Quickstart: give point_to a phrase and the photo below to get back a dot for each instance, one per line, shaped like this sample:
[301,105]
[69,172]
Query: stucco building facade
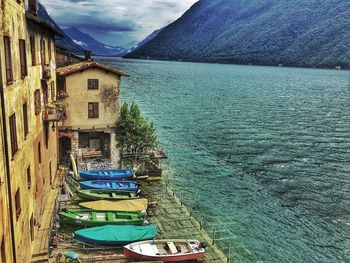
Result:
[28,152]
[90,91]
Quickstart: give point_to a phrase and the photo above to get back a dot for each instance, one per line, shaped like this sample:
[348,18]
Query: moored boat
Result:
[115,235]
[166,250]
[110,185]
[92,194]
[133,205]
[89,218]
[117,174]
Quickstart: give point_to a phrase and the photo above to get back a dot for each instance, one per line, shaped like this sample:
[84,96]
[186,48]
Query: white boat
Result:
[172,250]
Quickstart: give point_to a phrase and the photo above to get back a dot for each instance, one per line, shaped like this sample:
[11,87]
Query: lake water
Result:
[262,152]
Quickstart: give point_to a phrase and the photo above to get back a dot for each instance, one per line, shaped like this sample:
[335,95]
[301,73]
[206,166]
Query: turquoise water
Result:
[262,152]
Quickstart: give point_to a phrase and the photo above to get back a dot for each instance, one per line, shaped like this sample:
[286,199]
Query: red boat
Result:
[166,250]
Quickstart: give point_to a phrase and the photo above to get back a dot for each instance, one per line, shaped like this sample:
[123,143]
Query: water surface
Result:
[262,152]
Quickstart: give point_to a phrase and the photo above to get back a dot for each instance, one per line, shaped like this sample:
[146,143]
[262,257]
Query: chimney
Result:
[33,7]
[88,55]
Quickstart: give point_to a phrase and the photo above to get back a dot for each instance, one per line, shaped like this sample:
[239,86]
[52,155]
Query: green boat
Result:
[90,218]
[90,194]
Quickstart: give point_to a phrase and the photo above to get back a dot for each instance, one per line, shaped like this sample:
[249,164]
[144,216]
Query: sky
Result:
[116,22]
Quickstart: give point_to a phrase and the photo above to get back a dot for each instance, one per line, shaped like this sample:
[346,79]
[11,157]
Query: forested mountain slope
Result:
[312,33]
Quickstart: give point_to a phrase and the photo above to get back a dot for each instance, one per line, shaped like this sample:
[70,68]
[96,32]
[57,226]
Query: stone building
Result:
[90,92]
[65,57]
[28,152]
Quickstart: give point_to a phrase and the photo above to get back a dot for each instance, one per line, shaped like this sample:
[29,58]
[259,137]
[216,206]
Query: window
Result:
[53,93]
[93,109]
[45,92]
[47,134]
[23,57]
[32,50]
[43,52]
[29,178]
[49,49]
[13,134]
[92,83]
[18,203]
[37,102]
[25,119]
[31,225]
[39,152]
[8,60]
[2,250]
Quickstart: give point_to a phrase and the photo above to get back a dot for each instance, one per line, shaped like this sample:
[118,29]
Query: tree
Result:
[134,133]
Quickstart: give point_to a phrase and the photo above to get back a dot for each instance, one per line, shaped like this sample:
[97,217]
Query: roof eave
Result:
[42,23]
[72,71]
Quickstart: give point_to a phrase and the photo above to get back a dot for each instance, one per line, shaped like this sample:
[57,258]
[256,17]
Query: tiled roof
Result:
[70,69]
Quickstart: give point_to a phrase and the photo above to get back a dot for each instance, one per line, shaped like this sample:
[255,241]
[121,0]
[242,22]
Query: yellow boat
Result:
[134,205]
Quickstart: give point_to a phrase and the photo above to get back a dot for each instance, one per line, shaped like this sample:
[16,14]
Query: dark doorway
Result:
[65,148]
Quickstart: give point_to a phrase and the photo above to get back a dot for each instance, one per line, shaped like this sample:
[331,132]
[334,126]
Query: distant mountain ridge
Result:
[66,42]
[309,33]
[100,49]
[141,43]
[89,43]
[77,41]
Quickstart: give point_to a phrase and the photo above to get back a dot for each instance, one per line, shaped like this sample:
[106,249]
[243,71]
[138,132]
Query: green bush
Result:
[134,133]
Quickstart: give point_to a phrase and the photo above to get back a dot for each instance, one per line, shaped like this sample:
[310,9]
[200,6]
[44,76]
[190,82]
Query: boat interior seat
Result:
[172,247]
[101,216]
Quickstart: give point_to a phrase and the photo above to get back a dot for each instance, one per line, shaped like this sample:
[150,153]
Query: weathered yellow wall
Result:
[15,26]
[79,96]
[4,204]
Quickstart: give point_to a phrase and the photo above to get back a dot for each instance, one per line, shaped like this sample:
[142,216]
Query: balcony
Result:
[54,113]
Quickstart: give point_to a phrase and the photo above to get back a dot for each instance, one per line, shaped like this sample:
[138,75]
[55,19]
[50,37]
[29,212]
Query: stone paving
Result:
[42,235]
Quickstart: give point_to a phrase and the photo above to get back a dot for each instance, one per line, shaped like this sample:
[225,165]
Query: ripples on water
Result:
[262,152]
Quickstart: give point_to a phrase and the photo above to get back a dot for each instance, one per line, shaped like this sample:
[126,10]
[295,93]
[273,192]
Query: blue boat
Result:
[118,174]
[110,185]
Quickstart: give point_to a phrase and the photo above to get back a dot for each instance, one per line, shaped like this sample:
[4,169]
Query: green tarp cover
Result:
[118,233]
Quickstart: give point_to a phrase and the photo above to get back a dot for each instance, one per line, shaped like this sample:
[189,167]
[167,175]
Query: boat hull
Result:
[133,205]
[109,218]
[110,185]
[100,195]
[165,250]
[132,255]
[120,174]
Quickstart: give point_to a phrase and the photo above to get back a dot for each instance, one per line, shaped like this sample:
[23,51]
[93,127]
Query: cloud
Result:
[116,21]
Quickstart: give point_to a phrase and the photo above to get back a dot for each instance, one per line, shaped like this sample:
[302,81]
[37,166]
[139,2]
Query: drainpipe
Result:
[7,164]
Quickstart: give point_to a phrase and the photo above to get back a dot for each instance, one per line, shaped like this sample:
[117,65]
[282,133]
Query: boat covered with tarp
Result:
[110,235]
[117,174]
[133,205]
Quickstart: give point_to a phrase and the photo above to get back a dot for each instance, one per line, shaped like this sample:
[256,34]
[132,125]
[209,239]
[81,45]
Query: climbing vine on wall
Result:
[110,96]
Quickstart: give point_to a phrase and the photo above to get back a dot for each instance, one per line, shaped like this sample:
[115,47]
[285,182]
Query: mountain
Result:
[313,33]
[89,43]
[135,45]
[66,42]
